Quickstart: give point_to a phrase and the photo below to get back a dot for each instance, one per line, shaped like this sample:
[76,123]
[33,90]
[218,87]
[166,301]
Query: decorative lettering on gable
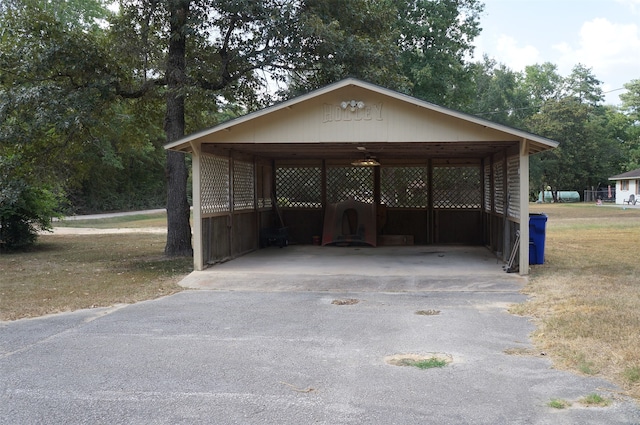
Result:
[351,111]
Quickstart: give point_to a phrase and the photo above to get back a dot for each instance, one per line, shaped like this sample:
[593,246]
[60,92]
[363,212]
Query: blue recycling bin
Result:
[537,234]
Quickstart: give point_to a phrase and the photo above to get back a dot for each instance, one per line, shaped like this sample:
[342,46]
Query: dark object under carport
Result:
[271,236]
[278,236]
[537,234]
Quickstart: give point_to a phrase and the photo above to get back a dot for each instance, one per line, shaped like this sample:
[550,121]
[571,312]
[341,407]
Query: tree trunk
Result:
[178,227]
[178,211]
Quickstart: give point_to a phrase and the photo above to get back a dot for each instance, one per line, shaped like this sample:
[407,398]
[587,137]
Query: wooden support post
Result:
[524,207]
[196,161]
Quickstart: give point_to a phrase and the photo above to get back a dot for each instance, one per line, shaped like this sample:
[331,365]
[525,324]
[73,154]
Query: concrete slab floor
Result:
[387,269]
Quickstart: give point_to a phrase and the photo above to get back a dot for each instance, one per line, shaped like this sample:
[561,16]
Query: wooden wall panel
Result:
[245,233]
[407,222]
[458,227]
[215,239]
[303,224]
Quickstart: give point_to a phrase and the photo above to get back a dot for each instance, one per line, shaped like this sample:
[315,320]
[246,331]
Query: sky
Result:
[603,35]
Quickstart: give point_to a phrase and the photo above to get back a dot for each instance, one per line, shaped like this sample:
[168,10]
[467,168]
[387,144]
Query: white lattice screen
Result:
[243,186]
[487,187]
[498,187]
[344,183]
[404,187]
[457,188]
[513,182]
[214,184]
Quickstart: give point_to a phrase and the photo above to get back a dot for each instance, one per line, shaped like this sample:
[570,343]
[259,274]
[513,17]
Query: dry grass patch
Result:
[586,297]
[70,272]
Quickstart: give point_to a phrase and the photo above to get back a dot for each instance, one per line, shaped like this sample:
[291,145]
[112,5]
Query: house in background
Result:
[627,184]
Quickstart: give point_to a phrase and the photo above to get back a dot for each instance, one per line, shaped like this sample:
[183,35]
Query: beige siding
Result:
[382,119]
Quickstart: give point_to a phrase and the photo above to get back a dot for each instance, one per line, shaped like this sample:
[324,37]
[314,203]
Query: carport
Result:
[357,163]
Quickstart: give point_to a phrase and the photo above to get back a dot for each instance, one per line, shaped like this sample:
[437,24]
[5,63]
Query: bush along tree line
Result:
[90,93]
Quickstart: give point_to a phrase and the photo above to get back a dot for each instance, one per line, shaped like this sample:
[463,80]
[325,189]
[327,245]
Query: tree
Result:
[179,230]
[542,82]
[435,38]
[230,41]
[583,85]
[631,100]
[67,109]
[500,94]
[414,46]
[52,106]
[218,47]
[70,108]
[73,14]
[631,137]
[339,39]
[589,152]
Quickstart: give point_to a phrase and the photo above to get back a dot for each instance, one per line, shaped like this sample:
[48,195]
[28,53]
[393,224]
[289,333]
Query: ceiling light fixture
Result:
[366,162]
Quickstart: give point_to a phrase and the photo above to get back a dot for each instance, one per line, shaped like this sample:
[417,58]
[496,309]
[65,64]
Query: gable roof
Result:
[633,174]
[295,122]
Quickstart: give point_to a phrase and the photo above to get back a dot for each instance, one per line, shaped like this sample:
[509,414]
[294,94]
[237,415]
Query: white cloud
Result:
[607,44]
[515,56]
[609,49]
[633,5]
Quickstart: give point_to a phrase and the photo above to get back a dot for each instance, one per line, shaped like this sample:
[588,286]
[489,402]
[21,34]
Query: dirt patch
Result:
[348,301]
[428,312]
[417,360]
[522,351]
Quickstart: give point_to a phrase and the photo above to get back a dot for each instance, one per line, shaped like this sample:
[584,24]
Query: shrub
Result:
[25,209]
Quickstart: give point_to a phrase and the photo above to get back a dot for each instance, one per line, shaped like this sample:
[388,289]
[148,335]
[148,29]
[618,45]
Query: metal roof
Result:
[633,174]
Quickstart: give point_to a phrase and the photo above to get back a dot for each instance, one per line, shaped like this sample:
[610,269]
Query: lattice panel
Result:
[404,187]
[344,183]
[457,188]
[498,187]
[214,184]
[487,187]
[243,187]
[513,181]
[299,187]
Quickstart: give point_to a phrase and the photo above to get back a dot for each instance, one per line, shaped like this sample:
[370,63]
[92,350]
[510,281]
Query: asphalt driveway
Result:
[302,352]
